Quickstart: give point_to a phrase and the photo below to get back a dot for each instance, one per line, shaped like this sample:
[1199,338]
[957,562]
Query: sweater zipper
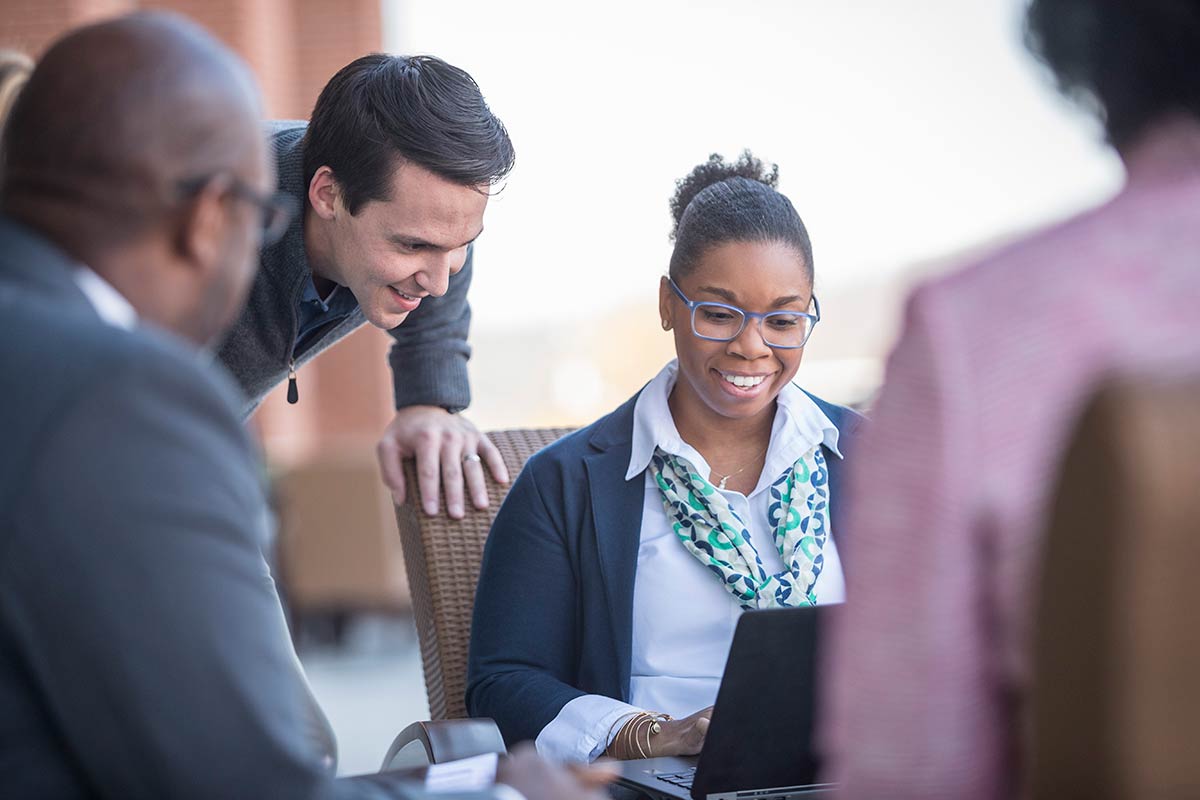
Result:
[293,394]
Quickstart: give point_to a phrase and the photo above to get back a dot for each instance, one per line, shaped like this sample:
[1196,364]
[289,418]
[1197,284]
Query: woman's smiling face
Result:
[740,378]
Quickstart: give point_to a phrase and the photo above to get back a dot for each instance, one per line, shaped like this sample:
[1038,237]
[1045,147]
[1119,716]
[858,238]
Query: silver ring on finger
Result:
[471,458]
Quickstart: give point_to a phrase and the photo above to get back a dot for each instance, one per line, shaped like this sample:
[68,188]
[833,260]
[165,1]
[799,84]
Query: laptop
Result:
[759,741]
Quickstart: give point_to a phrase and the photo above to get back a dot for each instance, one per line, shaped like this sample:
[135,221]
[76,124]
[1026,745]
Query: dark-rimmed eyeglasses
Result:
[277,208]
[721,322]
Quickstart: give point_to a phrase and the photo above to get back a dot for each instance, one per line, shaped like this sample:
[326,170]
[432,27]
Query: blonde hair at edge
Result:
[14,70]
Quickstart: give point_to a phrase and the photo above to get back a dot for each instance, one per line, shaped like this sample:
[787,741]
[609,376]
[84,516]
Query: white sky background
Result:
[903,131]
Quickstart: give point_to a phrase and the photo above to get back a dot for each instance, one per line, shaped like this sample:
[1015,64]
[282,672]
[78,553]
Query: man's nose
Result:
[434,276]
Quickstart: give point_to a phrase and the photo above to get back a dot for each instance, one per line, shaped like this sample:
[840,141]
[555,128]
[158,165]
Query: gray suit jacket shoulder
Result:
[429,353]
[143,649]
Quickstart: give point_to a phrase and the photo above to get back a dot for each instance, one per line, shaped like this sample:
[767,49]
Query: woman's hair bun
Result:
[717,169]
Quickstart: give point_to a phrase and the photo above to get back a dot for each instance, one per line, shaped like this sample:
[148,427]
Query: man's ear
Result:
[324,194]
[201,233]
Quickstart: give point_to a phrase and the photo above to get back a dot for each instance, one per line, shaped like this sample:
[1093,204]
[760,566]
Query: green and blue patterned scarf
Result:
[710,529]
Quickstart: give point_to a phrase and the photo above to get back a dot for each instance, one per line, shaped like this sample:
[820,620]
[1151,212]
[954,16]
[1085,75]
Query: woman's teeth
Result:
[744,381]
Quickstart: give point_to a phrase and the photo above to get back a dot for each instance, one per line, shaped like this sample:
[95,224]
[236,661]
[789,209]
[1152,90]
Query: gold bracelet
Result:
[653,727]
[610,740]
[647,725]
[628,739]
[620,748]
[614,747]
[637,742]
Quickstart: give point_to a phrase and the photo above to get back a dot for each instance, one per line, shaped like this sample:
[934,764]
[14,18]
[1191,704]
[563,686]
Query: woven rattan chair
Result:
[1115,710]
[442,557]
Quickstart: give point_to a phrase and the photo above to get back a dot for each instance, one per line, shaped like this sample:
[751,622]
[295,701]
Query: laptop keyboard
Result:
[681,779]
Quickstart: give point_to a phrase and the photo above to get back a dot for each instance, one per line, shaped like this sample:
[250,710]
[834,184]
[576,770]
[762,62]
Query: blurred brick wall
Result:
[29,25]
[294,47]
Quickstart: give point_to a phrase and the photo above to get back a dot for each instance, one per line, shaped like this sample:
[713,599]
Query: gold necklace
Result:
[726,478]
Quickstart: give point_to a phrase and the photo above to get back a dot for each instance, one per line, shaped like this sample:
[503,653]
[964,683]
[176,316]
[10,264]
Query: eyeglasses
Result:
[719,322]
[277,208]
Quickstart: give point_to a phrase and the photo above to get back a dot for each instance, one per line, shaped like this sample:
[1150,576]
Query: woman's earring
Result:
[666,325]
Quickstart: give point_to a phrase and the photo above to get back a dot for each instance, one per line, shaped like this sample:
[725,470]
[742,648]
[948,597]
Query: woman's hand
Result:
[676,737]
[681,737]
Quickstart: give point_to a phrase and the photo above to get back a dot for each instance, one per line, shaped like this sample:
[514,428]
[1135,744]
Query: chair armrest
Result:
[438,741]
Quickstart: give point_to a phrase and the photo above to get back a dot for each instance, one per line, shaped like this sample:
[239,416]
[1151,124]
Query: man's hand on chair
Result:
[448,448]
[539,779]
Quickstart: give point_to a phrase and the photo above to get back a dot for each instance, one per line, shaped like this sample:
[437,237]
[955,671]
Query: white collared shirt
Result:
[110,305]
[683,618]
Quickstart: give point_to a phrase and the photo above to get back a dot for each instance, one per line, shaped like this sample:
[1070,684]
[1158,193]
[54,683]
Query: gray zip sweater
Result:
[428,357]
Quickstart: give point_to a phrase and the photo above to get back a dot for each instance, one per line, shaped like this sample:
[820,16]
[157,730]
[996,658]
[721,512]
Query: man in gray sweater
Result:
[391,179]
[143,649]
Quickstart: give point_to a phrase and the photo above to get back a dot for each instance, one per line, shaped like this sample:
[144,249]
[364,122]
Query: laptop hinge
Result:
[782,793]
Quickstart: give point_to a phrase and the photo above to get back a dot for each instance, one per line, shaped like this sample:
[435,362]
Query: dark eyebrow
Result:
[792,298]
[724,294]
[731,298]
[417,241]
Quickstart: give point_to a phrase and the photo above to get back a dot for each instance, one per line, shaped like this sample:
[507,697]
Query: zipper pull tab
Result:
[293,395]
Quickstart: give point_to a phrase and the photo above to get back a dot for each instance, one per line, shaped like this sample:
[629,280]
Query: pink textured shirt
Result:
[926,669]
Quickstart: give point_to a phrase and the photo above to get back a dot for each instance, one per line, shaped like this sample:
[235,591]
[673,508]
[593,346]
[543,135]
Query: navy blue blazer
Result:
[554,607]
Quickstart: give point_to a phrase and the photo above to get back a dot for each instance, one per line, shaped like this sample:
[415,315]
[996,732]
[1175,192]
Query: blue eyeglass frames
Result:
[720,322]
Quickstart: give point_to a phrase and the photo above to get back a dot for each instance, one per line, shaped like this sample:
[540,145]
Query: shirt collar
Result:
[799,425]
[110,305]
[339,300]
[310,294]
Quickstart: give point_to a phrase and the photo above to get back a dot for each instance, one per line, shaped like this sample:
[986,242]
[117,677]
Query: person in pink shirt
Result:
[927,667]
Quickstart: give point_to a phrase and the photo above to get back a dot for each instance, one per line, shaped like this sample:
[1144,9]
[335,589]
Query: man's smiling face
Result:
[396,251]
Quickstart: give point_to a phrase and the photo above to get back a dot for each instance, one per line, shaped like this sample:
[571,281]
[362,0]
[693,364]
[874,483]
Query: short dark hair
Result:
[380,110]
[1130,61]
[722,202]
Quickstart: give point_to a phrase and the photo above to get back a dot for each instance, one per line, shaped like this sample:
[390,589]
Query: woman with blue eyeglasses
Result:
[619,564]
